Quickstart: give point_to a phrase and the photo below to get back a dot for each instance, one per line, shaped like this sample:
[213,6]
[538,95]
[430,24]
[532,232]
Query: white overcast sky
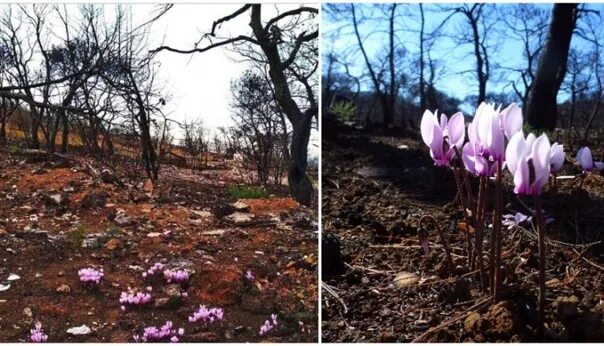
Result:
[200,83]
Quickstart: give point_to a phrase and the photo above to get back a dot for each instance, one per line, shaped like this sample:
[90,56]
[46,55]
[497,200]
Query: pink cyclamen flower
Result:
[249,275]
[207,315]
[91,275]
[529,162]
[442,137]
[586,161]
[268,325]
[486,133]
[513,221]
[37,334]
[556,157]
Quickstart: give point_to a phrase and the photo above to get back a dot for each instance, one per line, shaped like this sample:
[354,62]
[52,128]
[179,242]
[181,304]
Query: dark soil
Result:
[123,221]
[376,186]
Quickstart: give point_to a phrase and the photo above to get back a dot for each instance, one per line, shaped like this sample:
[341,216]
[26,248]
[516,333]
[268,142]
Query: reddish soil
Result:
[279,246]
[376,186]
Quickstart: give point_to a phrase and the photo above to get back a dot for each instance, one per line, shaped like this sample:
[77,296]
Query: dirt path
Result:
[56,219]
[376,186]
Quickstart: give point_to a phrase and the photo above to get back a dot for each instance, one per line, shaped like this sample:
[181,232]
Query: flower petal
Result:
[427,127]
[512,120]
[585,159]
[556,157]
[457,130]
[515,151]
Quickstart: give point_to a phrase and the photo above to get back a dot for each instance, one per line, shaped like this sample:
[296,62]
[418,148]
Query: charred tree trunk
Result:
[3,131]
[542,110]
[64,133]
[480,62]
[389,114]
[299,183]
[149,156]
[422,88]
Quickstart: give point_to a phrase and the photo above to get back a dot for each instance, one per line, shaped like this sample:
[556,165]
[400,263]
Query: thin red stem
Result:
[497,232]
[541,240]
[442,237]
[479,231]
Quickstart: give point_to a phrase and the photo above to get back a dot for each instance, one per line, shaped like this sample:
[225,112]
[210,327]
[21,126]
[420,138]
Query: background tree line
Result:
[395,60]
[90,74]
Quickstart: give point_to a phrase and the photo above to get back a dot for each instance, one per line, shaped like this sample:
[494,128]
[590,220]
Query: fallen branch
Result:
[450,321]
[330,290]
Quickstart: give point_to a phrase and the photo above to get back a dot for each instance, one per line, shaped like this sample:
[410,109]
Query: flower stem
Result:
[479,230]
[462,199]
[541,240]
[442,237]
[497,233]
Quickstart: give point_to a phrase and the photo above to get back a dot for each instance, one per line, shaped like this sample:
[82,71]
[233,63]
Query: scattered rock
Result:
[218,232]
[112,244]
[240,206]
[13,277]
[64,288]
[54,200]
[153,234]
[121,219]
[81,330]
[92,243]
[405,279]
[199,214]
[94,200]
[239,218]
[27,312]
[2,232]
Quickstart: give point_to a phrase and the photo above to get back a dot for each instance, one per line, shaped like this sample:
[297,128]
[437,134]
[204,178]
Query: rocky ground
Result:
[383,288]
[61,214]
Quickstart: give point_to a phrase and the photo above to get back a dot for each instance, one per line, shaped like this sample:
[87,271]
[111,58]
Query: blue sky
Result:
[452,57]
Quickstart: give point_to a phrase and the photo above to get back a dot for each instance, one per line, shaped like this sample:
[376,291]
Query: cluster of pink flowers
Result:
[37,334]
[495,135]
[178,276]
[162,333]
[207,315]
[89,275]
[268,325]
[156,268]
[139,298]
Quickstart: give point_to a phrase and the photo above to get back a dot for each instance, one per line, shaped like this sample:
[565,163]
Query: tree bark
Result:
[422,95]
[300,185]
[389,114]
[542,110]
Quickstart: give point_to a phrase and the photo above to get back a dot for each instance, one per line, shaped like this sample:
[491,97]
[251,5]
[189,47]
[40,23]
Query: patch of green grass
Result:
[79,234]
[242,191]
[114,231]
[16,150]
